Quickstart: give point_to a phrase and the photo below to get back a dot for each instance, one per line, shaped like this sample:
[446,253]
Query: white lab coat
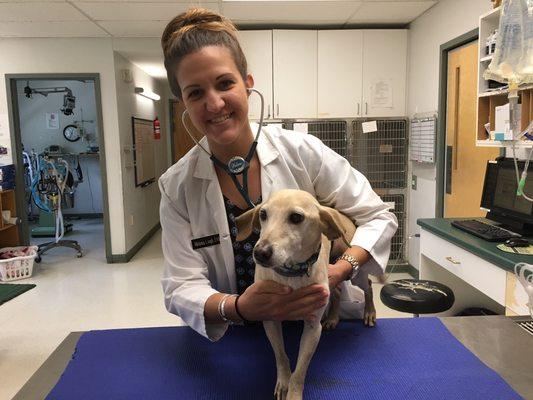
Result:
[192,207]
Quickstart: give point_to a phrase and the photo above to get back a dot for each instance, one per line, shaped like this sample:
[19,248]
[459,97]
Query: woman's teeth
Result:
[220,119]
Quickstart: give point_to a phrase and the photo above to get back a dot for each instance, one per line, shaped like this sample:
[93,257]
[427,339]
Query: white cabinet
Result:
[384,72]
[340,72]
[328,73]
[257,47]
[295,73]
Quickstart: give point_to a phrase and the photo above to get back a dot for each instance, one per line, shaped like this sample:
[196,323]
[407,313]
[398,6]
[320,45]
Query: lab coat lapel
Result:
[267,153]
[213,196]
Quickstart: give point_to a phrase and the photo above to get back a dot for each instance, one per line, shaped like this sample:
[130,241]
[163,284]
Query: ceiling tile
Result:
[401,1]
[134,28]
[390,12]
[290,11]
[26,12]
[121,11]
[51,29]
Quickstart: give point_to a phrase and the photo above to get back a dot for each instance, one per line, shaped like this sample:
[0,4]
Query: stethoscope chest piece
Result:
[237,165]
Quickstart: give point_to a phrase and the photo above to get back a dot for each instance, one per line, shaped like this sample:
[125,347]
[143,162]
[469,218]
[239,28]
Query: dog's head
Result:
[292,223]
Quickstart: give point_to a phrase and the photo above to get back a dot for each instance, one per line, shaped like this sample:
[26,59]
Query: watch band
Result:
[353,262]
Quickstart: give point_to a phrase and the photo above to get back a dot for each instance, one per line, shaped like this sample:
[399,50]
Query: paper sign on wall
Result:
[300,127]
[52,121]
[370,126]
[381,93]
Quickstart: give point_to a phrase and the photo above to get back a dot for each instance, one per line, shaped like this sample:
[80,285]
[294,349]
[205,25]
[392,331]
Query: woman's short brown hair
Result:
[192,30]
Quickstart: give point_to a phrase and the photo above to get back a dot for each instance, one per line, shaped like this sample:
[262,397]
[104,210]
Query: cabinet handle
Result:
[268,113]
[450,259]
[277,109]
[366,108]
[358,106]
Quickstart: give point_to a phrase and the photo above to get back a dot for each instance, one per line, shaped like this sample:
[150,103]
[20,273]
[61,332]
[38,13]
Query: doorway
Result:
[465,162]
[180,140]
[58,153]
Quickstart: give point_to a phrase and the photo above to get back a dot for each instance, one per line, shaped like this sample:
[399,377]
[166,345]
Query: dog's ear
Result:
[334,224]
[246,222]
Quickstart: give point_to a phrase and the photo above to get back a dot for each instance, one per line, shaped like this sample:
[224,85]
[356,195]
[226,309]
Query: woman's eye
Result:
[263,215]
[194,93]
[227,84]
[296,218]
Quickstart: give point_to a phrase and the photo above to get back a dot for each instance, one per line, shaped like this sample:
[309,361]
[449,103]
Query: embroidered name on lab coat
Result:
[205,241]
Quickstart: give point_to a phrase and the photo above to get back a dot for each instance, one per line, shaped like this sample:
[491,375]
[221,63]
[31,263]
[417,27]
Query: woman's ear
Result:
[249,83]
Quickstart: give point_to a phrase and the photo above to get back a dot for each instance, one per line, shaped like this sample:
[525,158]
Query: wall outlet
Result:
[131,220]
[413,182]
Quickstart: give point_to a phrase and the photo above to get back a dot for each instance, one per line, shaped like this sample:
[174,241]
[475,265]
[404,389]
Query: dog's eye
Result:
[296,218]
[262,215]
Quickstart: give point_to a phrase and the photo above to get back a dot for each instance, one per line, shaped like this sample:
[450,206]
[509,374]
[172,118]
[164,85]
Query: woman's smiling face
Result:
[215,94]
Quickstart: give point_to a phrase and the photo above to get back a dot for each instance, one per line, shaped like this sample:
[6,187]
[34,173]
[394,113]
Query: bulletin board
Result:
[143,151]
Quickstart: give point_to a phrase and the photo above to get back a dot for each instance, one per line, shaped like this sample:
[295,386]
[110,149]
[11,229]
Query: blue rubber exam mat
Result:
[411,358]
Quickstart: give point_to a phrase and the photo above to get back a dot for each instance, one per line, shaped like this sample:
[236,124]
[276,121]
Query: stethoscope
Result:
[236,165]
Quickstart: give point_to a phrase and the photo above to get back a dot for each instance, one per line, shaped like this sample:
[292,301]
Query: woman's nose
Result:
[214,102]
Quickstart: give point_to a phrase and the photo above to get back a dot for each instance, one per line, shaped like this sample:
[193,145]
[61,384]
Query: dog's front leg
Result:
[275,336]
[308,343]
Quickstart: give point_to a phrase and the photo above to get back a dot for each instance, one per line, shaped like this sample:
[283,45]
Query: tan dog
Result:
[294,249]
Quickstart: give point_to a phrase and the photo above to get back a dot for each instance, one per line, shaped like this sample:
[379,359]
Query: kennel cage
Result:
[382,155]
[334,134]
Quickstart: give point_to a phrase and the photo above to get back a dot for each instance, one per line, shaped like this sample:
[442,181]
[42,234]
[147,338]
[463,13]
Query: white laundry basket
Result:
[12,269]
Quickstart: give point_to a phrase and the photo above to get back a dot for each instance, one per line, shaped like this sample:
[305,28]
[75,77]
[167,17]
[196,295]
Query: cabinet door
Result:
[340,70]
[257,47]
[384,72]
[295,73]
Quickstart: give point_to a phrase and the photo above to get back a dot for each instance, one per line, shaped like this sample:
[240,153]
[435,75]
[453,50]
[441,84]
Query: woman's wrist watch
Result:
[353,262]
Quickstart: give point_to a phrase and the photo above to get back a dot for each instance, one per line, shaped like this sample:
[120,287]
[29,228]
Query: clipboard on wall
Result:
[143,151]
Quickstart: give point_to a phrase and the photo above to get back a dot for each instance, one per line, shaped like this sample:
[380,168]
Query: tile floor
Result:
[78,294]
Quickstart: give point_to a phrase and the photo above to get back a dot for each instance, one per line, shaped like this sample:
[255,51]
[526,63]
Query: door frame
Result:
[442,110]
[16,146]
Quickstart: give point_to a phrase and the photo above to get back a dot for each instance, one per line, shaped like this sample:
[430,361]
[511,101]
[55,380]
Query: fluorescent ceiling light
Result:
[147,93]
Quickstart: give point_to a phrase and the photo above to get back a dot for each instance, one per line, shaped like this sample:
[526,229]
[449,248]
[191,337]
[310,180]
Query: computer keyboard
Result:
[485,231]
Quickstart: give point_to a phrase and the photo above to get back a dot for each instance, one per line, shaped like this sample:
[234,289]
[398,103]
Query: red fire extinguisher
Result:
[157,129]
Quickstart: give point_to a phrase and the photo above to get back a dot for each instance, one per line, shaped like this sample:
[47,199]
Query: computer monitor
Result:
[499,196]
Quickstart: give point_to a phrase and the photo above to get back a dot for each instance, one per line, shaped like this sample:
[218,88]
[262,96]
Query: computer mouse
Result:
[517,242]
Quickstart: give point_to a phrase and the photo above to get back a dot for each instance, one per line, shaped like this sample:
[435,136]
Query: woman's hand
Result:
[272,301]
[338,272]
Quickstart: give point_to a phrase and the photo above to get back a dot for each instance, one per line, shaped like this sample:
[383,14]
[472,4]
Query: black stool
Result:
[417,296]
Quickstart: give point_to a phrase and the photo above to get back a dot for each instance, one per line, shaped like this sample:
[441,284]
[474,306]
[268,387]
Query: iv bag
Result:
[513,58]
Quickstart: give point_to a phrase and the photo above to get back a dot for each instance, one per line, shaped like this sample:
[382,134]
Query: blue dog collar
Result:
[298,269]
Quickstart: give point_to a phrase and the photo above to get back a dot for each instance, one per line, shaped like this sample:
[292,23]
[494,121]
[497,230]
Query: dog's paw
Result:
[295,391]
[280,393]
[369,318]
[330,323]
[282,386]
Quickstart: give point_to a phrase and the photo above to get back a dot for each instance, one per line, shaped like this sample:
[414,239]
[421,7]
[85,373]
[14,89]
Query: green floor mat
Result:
[9,291]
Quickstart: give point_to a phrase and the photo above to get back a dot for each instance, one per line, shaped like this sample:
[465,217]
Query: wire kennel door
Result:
[381,156]
[334,134]
[397,204]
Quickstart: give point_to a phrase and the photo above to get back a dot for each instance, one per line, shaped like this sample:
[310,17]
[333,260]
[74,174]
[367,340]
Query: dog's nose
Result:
[263,253]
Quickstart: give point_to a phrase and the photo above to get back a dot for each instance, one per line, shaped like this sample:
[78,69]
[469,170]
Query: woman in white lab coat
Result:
[199,200]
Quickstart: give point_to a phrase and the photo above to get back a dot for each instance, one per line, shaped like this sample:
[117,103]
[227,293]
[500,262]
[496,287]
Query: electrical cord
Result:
[521,178]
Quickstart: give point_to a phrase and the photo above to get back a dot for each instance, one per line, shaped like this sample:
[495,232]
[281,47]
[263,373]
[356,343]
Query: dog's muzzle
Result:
[263,254]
